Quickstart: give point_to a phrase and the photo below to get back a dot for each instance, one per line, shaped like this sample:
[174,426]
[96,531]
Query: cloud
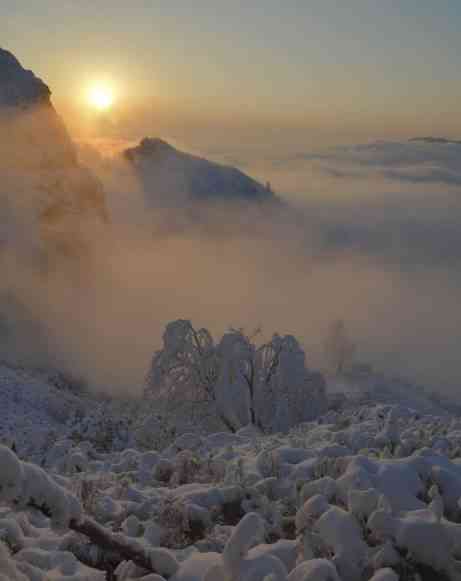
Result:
[419,160]
[398,203]
[425,175]
[388,262]
[439,140]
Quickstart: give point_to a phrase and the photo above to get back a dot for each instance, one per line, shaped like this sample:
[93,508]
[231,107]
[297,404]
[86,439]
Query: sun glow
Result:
[100,97]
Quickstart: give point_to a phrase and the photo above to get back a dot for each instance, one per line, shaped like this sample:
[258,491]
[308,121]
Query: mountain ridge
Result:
[20,86]
[174,173]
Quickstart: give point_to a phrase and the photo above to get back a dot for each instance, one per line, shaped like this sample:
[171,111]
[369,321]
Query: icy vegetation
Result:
[158,489]
[267,386]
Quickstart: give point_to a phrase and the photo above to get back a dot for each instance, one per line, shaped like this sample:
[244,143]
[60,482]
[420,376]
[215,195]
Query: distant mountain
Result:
[435,140]
[43,188]
[172,174]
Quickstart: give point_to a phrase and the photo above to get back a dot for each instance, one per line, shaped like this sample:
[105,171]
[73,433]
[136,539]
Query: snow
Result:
[385,575]
[341,533]
[57,565]
[163,561]
[197,567]
[27,483]
[362,493]
[314,570]
[30,404]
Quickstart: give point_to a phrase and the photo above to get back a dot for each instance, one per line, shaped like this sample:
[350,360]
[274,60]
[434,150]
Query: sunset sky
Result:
[369,65]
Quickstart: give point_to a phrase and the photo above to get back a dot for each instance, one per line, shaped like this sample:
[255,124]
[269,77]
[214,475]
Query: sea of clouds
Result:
[367,233]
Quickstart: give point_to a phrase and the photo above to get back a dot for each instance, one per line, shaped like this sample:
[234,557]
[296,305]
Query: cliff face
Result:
[47,194]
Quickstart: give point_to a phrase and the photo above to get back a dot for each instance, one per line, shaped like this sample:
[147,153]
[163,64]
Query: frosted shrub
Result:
[89,489]
[105,426]
[187,466]
[287,394]
[187,364]
[174,523]
[268,385]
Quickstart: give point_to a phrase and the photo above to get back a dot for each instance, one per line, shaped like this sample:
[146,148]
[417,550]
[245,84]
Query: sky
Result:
[361,67]
[319,97]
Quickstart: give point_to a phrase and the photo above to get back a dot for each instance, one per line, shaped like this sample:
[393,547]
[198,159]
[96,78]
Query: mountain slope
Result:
[175,175]
[45,193]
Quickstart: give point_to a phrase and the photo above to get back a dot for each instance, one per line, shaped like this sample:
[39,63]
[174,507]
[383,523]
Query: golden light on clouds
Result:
[100,96]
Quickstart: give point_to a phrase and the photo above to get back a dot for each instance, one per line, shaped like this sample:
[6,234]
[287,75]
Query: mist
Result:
[354,253]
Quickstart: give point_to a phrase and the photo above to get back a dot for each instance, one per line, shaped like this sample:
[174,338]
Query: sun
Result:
[100,97]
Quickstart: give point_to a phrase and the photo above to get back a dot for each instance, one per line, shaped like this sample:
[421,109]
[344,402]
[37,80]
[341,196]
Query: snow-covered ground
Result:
[369,490]
[33,411]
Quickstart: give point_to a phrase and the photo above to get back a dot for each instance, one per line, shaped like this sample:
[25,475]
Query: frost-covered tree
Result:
[234,388]
[267,385]
[339,348]
[186,366]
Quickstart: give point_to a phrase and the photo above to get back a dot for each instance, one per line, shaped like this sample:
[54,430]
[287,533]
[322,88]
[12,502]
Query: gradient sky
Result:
[398,59]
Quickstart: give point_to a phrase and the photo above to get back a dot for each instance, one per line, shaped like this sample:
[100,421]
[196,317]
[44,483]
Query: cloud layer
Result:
[380,252]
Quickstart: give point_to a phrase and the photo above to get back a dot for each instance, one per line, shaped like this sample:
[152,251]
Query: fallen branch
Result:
[156,560]
[26,485]
[106,540]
